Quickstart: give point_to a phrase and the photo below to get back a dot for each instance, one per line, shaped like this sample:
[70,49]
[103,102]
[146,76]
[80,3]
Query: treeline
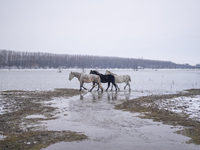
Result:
[36,60]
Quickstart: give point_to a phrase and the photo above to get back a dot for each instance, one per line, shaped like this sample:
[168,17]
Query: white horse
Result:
[86,78]
[120,79]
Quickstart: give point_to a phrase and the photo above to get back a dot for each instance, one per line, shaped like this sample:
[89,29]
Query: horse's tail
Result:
[129,78]
[99,80]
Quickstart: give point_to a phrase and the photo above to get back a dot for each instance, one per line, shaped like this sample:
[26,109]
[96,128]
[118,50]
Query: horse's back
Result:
[89,78]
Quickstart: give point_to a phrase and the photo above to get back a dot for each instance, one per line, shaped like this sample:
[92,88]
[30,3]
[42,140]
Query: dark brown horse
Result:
[105,78]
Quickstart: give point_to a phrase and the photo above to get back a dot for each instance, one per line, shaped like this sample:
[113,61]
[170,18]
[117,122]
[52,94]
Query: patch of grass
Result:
[193,133]
[26,133]
[38,139]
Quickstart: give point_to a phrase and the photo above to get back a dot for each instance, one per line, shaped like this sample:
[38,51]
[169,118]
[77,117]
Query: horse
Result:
[105,78]
[120,79]
[86,78]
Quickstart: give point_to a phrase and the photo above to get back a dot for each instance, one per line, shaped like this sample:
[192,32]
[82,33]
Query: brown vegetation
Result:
[27,133]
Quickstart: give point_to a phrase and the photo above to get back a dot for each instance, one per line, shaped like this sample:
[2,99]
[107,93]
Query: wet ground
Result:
[95,115]
[21,116]
[91,120]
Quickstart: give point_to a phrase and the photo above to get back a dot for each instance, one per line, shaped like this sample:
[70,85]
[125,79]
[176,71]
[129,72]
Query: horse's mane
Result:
[96,72]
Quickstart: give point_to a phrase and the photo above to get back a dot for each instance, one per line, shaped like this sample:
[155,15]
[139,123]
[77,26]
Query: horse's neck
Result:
[78,75]
[97,73]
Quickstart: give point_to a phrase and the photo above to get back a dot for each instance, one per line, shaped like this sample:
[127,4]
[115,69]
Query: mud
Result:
[21,132]
[149,108]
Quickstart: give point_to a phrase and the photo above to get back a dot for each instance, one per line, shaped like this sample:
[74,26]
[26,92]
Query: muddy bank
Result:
[21,132]
[150,108]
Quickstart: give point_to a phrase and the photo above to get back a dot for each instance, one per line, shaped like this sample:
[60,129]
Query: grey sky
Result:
[148,29]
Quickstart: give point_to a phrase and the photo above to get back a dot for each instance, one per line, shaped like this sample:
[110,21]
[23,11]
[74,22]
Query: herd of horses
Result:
[97,78]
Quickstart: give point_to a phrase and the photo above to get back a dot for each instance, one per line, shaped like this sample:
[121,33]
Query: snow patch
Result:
[188,105]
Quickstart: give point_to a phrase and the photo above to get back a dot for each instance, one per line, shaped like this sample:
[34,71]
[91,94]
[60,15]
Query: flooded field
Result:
[160,81]
[94,113]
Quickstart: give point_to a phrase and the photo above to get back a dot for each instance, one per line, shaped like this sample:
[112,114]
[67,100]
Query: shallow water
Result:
[142,80]
[93,113]
[111,129]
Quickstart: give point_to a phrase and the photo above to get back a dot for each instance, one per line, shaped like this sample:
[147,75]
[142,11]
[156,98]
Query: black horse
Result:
[105,78]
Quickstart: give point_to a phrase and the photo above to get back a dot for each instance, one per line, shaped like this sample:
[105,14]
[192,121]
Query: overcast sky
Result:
[149,29]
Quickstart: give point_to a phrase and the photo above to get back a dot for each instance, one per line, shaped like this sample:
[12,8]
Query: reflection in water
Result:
[112,95]
[82,94]
[127,94]
[97,95]
[109,95]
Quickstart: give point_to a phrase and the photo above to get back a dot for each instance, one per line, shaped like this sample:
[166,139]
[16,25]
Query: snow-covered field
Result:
[187,105]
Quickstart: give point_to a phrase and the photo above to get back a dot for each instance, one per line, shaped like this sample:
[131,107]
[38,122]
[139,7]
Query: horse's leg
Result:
[99,84]
[108,86]
[80,86]
[114,83]
[125,85]
[129,86]
[111,87]
[92,86]
[115,86]
[84,87]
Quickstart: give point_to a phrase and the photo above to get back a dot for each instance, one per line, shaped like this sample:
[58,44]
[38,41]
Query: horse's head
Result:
[94,72]
[107,72]
[71,76]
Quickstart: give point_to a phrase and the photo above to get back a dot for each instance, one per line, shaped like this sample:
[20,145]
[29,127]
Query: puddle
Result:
[93,114]
[2,137]
[34,116]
